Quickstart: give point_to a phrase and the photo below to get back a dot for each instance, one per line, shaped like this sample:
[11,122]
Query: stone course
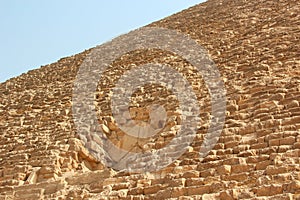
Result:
[255,45]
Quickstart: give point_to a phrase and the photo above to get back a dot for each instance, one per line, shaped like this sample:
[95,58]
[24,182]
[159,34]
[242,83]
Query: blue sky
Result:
[36,32]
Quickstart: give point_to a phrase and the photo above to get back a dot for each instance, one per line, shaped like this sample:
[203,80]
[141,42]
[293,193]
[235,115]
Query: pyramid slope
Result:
[255,45]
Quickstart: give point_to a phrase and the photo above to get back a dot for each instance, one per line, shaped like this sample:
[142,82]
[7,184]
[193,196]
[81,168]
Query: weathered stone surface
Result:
[255,45]
[90,177]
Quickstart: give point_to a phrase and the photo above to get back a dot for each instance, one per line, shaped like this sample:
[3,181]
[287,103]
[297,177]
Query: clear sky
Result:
[37,32]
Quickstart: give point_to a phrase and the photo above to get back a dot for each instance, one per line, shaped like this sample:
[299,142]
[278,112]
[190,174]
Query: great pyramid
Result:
[255,47]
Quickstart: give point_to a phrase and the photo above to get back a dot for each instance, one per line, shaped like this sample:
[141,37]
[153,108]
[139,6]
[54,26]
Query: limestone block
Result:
[152,189]
[88,178]
[223,170]
[269,190]
[241,168]
[198,190]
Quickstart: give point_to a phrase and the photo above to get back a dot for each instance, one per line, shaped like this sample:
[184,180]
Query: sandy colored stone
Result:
[255,46]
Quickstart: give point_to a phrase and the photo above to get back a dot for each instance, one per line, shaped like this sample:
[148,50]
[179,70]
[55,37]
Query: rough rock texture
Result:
[255,45]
